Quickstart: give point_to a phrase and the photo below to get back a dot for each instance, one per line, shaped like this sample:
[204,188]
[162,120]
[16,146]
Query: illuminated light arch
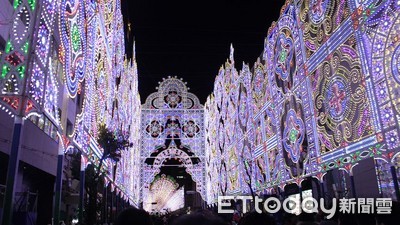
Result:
[172,124]
[173,153]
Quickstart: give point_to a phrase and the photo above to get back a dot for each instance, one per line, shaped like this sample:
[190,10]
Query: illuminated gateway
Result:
[172,143]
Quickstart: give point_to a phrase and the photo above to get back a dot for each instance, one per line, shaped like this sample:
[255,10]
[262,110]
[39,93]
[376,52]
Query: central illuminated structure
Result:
[172,129]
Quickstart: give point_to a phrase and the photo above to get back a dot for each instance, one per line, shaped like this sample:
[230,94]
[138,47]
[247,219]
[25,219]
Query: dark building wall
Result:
[6,129]
[37,166]
[365,179]
[3,167]
[338,183]
[42,183]
[37,148]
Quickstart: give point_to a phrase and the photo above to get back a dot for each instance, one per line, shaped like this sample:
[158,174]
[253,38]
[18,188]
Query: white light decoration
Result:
[11,85]
[72,24]
[36,84]
[51,95]
[164,195]
[21,25]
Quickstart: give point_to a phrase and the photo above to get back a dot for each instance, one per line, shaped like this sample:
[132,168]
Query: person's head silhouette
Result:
[133,216]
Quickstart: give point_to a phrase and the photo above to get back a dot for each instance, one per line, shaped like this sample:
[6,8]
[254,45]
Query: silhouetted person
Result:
[289,219]
[347,219]
[255,218]
[133,216]
[390,219]
[306,219]
[199,218]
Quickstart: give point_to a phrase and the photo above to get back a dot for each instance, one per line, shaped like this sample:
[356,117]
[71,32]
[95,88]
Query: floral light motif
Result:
[36,84]
[155,129]
[43,42]
[73,38]
[190,129]
[51,96]
[293,135]
[284,54]
[173,99]
[336,98]
[318,8]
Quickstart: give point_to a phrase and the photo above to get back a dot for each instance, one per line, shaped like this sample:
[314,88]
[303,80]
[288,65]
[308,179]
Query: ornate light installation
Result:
[324,96]
[172,126]
[109,87]
[92,53]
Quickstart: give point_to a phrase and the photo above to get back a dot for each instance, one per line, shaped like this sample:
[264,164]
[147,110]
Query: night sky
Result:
[191,39]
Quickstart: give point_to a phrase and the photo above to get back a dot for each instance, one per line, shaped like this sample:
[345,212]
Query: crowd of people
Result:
[133,216]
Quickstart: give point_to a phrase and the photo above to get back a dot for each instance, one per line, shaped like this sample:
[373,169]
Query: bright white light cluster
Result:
[164,195]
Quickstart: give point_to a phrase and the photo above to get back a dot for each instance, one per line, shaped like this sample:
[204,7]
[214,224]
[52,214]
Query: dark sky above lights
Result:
[190,39]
